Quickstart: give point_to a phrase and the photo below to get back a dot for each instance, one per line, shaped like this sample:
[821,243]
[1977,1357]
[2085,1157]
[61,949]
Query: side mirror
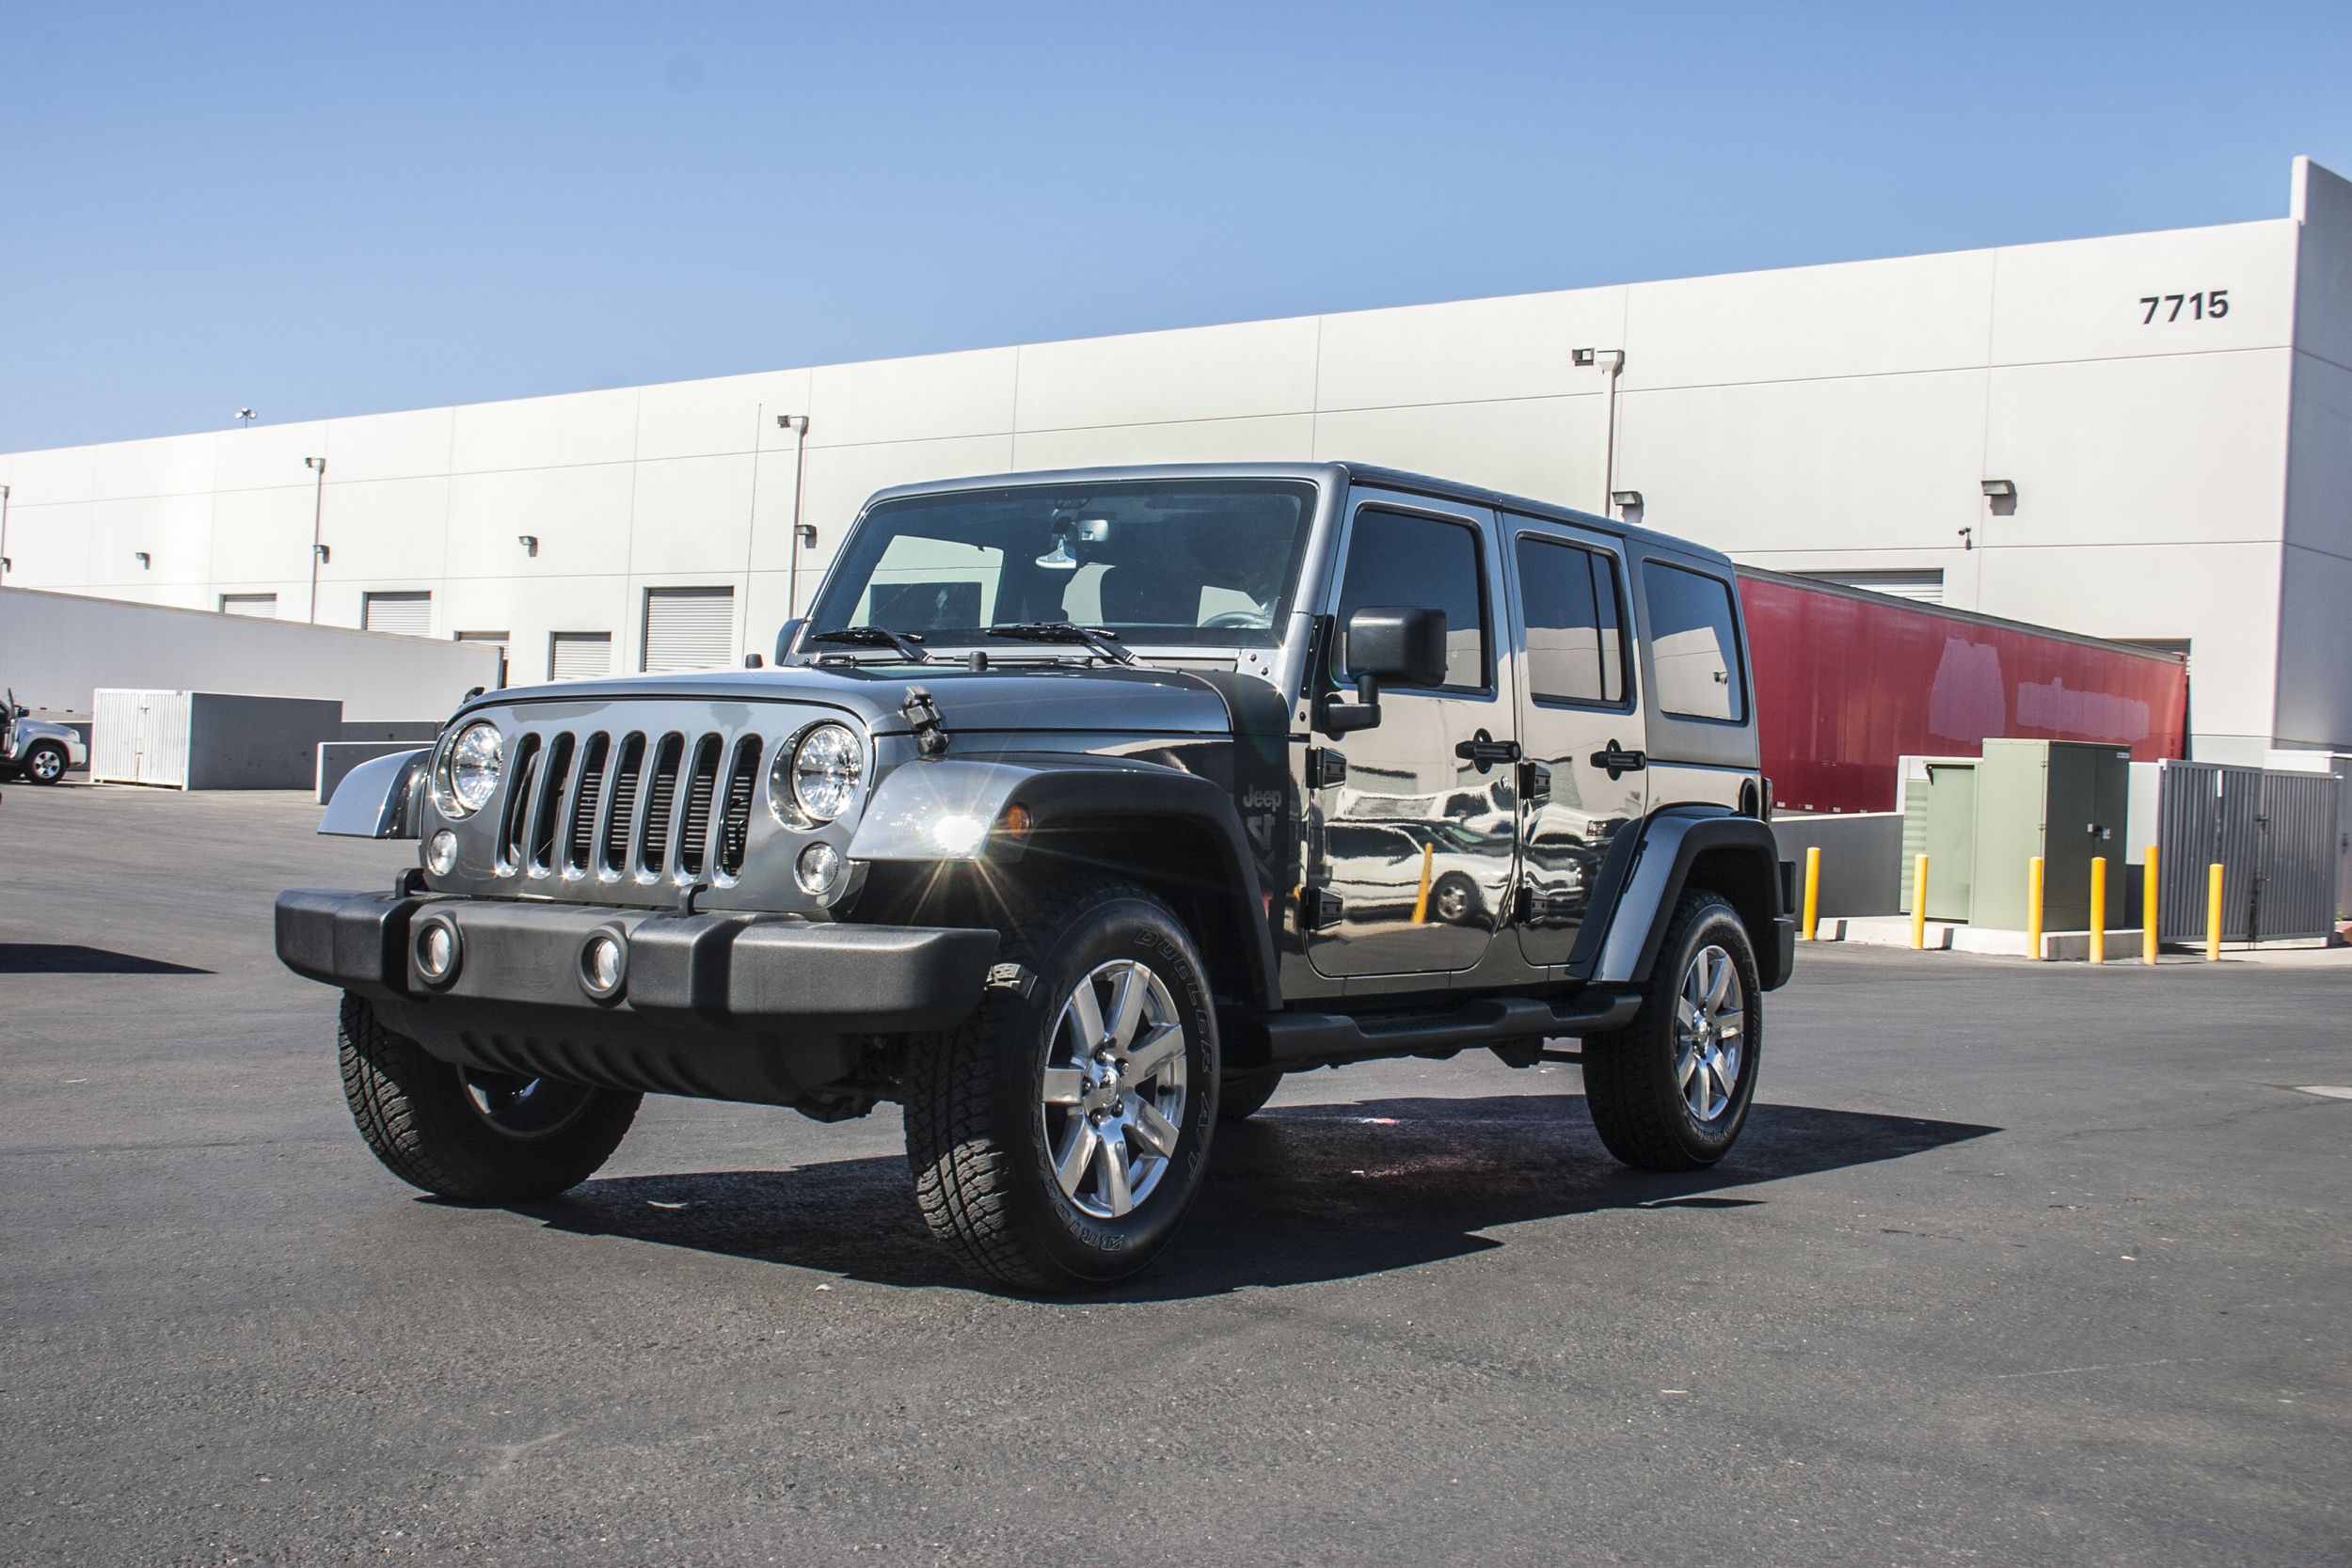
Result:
[787,634]
[1386,642]
[22,712]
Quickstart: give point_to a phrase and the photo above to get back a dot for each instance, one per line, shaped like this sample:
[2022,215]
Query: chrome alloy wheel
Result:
[1113,1088]
[1710,1032]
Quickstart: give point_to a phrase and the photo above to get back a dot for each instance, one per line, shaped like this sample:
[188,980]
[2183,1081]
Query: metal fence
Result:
[2273,835]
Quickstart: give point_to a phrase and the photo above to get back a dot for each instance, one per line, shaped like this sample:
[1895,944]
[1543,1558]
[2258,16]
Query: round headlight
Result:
[473,769]
[825,770]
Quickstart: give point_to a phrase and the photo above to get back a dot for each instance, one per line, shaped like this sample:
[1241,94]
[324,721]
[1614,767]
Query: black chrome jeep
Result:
[1082,808]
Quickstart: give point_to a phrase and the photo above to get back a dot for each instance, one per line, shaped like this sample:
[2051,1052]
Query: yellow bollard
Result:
[1811,892]
[1421,904]
[2098,908]
[2213,913]
[2148,908]
[1919,902]
[2033,908]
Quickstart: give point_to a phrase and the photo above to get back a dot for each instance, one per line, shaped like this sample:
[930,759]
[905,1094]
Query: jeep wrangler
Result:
[1080,809]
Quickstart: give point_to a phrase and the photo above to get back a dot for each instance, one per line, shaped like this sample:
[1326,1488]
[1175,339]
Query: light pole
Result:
[5,563]
[318,551]
[802,537]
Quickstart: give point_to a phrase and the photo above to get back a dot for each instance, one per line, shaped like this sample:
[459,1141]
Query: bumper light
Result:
[437,948]
[603,965]
[440,853]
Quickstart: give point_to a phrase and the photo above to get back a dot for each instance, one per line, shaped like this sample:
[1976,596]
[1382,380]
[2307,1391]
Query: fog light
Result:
[436,950]
[819,868]
[603,965]
[440,855]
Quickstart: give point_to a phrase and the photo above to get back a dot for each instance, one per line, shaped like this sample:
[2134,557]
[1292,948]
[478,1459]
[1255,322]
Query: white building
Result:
[2173,411]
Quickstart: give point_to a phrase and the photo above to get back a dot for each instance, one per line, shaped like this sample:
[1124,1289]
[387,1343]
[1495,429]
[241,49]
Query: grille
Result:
[654,838]
[624,803]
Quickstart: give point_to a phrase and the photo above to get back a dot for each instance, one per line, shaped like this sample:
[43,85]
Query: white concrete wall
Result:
[55,649]
[1815,418]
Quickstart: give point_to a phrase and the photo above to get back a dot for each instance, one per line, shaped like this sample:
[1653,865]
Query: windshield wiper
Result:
[876,637]
[1062,631]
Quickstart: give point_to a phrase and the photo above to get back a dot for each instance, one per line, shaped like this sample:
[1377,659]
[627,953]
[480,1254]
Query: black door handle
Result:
[1615,761]
[1486,751]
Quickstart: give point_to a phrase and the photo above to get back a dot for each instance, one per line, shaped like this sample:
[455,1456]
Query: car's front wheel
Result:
[44,761]
[480,1138]
[1059,1135]
[1670,1091]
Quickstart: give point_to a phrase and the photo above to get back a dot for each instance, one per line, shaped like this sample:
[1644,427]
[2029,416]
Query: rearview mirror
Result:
[1392,642]
[1386,642]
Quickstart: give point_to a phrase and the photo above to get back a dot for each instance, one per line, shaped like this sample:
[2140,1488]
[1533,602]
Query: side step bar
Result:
[1321,1040]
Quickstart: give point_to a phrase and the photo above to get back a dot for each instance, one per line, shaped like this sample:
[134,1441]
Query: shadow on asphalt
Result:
[66,958]
[1295,1196]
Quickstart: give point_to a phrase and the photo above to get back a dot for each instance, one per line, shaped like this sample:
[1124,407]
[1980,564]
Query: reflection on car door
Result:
[1576,705]
[1418,840]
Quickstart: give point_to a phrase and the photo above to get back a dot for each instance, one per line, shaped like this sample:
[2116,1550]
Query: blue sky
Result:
[341,210]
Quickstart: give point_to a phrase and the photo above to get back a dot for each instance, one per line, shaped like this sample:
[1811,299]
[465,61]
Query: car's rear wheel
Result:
[461,1132]
[1059,1135]
[1671,1090]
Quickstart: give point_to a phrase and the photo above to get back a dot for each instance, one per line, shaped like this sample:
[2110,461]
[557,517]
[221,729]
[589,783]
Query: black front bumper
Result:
[762,1007]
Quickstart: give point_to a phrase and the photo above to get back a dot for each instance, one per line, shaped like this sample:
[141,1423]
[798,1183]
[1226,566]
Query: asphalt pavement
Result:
[2015,1264]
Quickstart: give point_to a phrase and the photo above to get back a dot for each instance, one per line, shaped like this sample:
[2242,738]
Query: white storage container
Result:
[209,739]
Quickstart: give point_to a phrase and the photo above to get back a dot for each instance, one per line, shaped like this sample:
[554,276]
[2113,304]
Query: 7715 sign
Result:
[2212,305]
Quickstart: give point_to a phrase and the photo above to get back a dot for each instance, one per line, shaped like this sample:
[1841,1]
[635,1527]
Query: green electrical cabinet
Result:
[1940,821]
[2063,801]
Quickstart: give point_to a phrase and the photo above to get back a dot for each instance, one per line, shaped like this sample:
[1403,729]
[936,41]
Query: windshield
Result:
[1209,563]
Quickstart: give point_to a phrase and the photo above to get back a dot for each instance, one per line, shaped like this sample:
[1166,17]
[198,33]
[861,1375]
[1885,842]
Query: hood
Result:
[1144,701]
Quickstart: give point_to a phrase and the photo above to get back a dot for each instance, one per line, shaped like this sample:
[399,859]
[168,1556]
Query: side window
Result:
[1424,562]
[1574,653]
[1692,644]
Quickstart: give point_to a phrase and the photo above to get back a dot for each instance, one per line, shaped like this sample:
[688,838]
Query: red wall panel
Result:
[1845,685]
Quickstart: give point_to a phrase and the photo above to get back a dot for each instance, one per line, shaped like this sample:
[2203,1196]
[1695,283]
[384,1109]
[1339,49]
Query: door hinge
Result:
[1534,781]
[1327,766]
[1319,907]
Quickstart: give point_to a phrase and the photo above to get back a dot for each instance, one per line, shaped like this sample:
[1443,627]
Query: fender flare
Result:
[1671,840]
[902,823]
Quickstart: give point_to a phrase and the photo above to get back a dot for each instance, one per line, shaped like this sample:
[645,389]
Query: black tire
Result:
[1239,1098]
[474,1137]
[981,1138]
[44,761]
[1640,1100]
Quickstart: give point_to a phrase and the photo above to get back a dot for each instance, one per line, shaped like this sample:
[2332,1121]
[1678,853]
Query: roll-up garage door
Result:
[580,656]
[262,604]
[403,614]
[689,629]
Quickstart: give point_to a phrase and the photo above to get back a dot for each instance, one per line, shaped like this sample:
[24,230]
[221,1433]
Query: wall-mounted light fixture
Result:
[1968,539]
[2002,492]
[327,553]
[806,534]
[144,558]
[529,542]
[1625,499]
[796,423]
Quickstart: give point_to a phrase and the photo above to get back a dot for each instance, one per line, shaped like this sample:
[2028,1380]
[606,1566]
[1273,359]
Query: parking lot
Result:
[2016,1263]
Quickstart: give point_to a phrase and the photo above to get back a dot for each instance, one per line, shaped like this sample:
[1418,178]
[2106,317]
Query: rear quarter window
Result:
[1694,644]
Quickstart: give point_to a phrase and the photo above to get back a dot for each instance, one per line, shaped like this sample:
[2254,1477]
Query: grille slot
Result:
[552,778]
[734,815]
[581,838]
[694,833]
[653,851]
[517,819]
[627,774]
